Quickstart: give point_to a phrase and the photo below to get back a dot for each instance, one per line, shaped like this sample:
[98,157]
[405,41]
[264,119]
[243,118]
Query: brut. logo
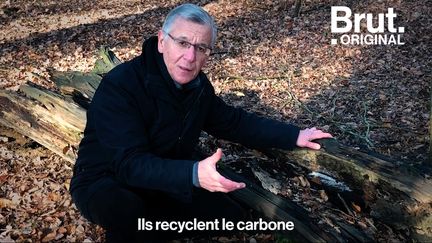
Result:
[382,33]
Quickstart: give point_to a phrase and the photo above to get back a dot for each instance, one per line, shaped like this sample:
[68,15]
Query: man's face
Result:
[184,64]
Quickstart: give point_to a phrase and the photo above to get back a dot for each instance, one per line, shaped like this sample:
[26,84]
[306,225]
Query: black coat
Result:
[142,130]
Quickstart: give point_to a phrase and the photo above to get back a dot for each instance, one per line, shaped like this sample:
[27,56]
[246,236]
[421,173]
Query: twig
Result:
[232,77]
[366,136]
[370,223]
[255,78]
[48,213]
[341,212]
[396,127]
[334,104]
[296,11]
[345,205]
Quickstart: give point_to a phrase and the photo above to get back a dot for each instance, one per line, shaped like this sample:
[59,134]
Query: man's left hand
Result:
[307,135]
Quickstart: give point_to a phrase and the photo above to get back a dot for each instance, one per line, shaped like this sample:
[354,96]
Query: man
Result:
[136,157]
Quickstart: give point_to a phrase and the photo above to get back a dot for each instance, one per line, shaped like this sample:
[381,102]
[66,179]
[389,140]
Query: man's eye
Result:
[184,44]
[202,49]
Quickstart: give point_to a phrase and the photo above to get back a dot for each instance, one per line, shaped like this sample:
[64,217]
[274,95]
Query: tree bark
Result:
[408,191]
[51,121]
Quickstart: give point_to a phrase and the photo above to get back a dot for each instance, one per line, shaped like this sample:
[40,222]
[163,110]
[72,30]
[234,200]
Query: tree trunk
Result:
[51,121]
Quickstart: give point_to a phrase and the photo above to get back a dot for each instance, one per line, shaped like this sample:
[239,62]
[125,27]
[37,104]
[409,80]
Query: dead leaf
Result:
[49,237]
[54,196]
[62,230]
[239,94]
[6,203]
[3,178]
[323,195]
[303,181]
[356,207]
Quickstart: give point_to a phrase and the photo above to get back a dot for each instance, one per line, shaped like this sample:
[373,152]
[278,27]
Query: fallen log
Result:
[56,121]
[51,121]
[408,189]
[280,209]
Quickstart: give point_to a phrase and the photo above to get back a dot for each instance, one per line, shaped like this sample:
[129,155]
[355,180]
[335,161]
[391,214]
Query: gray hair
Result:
[193,13]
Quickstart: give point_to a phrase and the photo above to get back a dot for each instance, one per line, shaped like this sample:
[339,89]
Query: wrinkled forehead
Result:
[191,30]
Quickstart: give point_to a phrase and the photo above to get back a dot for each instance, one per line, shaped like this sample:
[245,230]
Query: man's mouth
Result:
[185,69]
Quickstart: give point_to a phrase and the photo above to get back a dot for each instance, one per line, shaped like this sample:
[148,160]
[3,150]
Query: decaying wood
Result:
[267,182]
[54,123]
[71,82]
[54,120]
[279,209]
[57,121]
[358,167]
[408,202]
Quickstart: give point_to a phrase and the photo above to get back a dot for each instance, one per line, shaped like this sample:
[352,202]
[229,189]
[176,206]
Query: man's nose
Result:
[190,54]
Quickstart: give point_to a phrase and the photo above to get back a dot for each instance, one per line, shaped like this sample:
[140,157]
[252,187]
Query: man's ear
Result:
[161,44]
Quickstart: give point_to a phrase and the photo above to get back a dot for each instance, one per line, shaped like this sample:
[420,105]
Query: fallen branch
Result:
[409,191]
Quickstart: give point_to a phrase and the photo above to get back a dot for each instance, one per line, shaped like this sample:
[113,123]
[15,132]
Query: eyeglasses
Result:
[183,44]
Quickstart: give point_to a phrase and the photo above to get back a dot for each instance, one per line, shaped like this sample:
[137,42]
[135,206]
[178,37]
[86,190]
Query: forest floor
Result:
[266,61]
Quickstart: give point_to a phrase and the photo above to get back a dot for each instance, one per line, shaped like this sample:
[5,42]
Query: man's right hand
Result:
[211,180]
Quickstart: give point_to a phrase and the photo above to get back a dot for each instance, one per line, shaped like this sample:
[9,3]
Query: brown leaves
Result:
[3,178]
[49,237]
[6,203]
[35,203]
